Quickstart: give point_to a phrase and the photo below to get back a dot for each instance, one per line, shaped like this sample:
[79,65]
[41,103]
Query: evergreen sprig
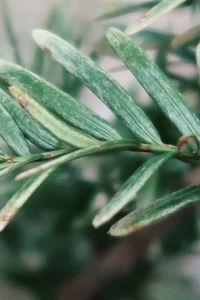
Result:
[33,110]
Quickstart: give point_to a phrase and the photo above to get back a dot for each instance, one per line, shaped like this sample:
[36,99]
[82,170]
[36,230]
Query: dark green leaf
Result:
[148,39]
[156,83]
[11,133]
[55,100]
[37,134]
[108,90]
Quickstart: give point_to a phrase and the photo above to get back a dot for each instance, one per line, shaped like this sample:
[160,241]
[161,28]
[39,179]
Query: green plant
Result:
[50,249]
[34,110]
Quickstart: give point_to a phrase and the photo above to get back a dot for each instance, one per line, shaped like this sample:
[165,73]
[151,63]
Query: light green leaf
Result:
[198,58]
[36,133]
[3,156]
[130,188]
[8,212]
[153,14]
[159,209]
[55,100]
[124,9]
[60,129]
[156,83]
[108,90]
[11,133]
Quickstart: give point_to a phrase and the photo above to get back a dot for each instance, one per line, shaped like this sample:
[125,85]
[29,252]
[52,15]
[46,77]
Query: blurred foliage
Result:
[51,248]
